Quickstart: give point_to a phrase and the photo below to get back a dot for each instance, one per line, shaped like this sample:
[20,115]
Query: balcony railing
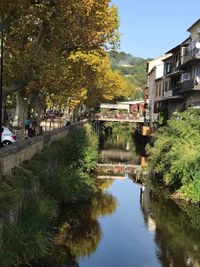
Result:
[169,94]
[190,55]
[173,68]
[174,92]
[189,85]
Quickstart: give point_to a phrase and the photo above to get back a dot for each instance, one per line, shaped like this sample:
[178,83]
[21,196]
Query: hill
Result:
[134,68]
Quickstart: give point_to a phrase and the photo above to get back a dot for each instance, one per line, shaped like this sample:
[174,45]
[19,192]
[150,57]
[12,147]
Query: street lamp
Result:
[1,88]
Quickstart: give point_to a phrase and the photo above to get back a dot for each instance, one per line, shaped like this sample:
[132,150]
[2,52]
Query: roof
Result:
[173,50]
[186,41]
[114,106]
[194,24]
[167,58]
[133,102]
[176,48]
[168,55]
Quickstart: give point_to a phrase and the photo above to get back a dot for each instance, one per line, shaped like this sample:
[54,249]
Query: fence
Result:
[13,155]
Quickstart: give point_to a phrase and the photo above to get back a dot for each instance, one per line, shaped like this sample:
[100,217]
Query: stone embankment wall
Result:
[13,155]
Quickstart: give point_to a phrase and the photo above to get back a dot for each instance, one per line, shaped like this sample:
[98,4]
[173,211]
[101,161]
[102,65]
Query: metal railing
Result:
[190,55]
[189,85]
[173,68]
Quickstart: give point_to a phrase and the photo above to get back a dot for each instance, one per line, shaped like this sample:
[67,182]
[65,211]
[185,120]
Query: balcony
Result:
[170,94]
[173,69]
[193,54]
[189,85]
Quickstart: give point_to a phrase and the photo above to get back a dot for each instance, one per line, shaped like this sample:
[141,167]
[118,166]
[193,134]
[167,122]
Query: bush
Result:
[63,172]
[175,157]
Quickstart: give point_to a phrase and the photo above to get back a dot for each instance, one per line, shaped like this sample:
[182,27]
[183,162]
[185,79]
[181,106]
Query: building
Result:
[171,99]
[154,89]
[190,65]
[174,79]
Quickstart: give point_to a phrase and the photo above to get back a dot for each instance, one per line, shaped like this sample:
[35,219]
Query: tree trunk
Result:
[21,108]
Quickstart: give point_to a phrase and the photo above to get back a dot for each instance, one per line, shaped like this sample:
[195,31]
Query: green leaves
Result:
[57,49]
[62,173]
[175,154]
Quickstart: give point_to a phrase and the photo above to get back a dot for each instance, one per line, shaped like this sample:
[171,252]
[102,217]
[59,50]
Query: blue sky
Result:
[150,28]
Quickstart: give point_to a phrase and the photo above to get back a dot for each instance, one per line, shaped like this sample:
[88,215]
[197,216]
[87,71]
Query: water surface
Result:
[125,224]
[126,239]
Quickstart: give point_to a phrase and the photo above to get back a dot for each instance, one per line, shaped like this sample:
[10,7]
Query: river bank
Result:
[69,218]
[30,198]
[174,156]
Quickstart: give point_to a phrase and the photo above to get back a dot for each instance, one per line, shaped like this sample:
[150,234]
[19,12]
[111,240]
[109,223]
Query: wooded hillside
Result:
[134,68]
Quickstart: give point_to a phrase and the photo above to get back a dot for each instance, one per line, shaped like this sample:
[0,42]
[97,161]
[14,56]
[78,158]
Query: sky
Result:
[150,28]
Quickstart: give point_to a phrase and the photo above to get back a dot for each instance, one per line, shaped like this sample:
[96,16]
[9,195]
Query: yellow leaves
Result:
[88,6]
[60,238]
[87,59]
[58,47]
[78,97]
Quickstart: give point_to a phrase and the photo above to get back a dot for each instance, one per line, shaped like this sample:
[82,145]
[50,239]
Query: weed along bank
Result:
[12,156]
[82,198]
[174,156]
[31,194]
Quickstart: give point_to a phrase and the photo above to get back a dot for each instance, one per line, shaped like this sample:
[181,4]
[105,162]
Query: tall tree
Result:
[54,49]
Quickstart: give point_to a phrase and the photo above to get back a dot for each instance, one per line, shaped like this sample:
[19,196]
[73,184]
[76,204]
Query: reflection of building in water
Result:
[145,200]
[151,224]
[177,242]
[117,171]
[118,156]
[127,146]
[192,262]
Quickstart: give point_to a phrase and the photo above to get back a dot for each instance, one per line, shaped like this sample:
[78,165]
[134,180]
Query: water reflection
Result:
[177,241]
[79,232]
[119,147]
[144,230]
[118,159]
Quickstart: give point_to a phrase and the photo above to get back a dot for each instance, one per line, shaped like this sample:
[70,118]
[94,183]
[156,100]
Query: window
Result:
[166,86]
[160,89]
[156,89]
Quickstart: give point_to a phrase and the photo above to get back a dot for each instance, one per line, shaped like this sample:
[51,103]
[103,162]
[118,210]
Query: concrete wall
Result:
[13,155]
[152,93]
[195,32]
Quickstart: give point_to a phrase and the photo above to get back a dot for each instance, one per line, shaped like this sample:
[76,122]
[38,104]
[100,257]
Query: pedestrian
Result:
[40,132]
[31,131]
[27,124]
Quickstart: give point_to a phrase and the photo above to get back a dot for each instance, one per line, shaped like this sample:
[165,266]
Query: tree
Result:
[42,35]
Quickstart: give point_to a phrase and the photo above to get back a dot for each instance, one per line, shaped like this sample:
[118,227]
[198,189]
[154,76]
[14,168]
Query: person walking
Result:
[27,124]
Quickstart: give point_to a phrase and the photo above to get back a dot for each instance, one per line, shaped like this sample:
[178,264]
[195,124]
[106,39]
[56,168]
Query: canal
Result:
[145,229]
[126,223]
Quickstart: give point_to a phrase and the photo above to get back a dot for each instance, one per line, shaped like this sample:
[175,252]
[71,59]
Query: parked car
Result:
[8,137]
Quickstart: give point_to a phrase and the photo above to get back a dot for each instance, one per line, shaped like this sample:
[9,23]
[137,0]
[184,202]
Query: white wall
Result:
[155,71]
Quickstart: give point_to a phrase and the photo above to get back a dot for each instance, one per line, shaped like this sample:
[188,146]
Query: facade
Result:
[190,65]
[172,99]
[178,86]
[154,89]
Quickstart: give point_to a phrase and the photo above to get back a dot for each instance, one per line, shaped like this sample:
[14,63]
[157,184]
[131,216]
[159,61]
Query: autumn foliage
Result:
[57,50]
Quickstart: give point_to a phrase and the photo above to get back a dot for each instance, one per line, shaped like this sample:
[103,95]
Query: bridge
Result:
[128,118]
[128,111]
[117,171]
[101,121]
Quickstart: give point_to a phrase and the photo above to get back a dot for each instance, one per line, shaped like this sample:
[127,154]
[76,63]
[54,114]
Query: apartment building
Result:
[154,88]
[178,87]
[190,65]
